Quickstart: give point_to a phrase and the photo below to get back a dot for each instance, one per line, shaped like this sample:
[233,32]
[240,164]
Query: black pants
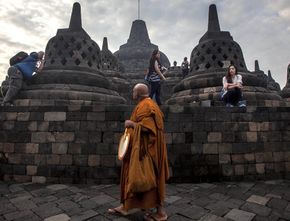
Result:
[15,80]
[184,72]
[233,96]
[155,88]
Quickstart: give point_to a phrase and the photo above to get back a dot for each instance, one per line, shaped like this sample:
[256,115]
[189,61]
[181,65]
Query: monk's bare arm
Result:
[129,124]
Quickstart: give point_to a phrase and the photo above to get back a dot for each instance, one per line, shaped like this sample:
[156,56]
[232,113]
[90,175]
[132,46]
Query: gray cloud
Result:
[261,28]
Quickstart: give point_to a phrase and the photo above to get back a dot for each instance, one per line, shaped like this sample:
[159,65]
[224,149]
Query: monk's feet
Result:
[118,211]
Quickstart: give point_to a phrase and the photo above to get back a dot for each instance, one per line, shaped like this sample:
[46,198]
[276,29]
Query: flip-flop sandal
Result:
[116,211]
[147,216]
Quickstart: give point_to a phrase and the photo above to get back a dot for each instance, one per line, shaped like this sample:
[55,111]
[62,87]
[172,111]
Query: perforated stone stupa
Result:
[108,60]
[285,93]
[113,71]
[72,69]
[135,54]
[272,84]
[208,64]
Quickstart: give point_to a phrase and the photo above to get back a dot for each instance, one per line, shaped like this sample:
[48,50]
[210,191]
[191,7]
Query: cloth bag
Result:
[142,176]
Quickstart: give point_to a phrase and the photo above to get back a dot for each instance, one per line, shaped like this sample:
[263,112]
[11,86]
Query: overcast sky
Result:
[260,27]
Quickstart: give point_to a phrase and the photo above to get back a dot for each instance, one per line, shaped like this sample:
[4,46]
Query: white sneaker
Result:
[242,104]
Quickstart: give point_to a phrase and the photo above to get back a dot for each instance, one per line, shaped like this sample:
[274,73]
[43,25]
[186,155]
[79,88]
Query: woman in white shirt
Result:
[232,85]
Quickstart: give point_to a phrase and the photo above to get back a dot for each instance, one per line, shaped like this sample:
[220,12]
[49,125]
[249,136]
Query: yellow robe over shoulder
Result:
[148,115]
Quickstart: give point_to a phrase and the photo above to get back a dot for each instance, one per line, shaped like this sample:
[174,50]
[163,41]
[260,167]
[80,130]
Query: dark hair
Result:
[185,58]
[153,59]
[228,76]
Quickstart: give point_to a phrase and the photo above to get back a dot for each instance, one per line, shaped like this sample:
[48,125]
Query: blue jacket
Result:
[28,65]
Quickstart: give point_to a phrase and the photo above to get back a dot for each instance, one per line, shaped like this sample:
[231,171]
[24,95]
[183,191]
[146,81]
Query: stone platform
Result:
[241,201]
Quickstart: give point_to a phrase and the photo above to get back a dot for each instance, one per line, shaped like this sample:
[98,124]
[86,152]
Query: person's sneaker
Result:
[242,104]
[229,105]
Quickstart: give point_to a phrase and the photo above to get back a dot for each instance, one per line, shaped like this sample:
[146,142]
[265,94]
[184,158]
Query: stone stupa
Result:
[272,84]
[285,93]
[208,64]
[113,71]
[73,69]
[136,53]
[108,60]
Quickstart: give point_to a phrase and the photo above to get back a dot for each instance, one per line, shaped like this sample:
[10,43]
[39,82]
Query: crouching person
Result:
[232,88]
[20,71]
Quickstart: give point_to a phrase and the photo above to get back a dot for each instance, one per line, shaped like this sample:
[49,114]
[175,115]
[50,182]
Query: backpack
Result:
[185,65]
[20,56]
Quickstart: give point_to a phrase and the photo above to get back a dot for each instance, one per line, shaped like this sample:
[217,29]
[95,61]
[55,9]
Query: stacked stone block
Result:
[78,144]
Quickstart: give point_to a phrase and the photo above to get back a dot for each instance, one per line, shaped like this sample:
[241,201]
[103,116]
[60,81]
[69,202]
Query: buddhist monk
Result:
[146,129]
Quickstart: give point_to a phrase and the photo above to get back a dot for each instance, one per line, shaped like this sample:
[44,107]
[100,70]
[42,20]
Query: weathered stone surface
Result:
[103,199]
[193,212]
[94,160]
[239,170]
[31,148]
[31,170]
[59,148]
[258,199]
[54,116]
[23,116]
[90,202]
[8,147]
[25,205]
[260,168]
[172,199]
[214,137]
[277,203]
[17,215]
[59,217]
[210,149]
[44,212]
[84,215]
[256,208]
[57,187]
[211,217]
[240,215]
[38,179]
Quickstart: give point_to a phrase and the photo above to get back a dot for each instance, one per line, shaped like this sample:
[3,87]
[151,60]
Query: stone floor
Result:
[241,201]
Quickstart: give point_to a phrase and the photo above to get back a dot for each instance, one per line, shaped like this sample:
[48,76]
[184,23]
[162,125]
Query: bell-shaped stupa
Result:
[285,93]
[136,53]
[108,60]
[272,84]
[72,70]
[208,64]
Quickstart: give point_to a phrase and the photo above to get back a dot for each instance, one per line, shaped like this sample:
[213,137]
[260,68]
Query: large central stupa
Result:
[208,64]
[135,54]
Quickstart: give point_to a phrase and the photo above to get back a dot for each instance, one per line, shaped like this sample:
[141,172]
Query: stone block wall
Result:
[78,144]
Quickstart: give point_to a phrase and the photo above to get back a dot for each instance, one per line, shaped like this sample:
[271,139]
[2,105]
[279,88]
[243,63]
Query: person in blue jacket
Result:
[22,71]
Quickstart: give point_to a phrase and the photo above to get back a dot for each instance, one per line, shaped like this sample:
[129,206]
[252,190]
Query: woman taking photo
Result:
[232,85]
[155,75]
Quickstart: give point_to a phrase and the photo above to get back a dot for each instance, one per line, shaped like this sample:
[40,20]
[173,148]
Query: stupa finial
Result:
[105,44]
[76,18]
[213,20]
[257,67]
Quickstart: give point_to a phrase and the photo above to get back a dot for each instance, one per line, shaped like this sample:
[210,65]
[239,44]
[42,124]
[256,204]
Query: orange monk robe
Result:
[149,116]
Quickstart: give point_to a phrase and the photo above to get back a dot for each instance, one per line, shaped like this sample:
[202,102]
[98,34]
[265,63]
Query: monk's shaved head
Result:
[140,91]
